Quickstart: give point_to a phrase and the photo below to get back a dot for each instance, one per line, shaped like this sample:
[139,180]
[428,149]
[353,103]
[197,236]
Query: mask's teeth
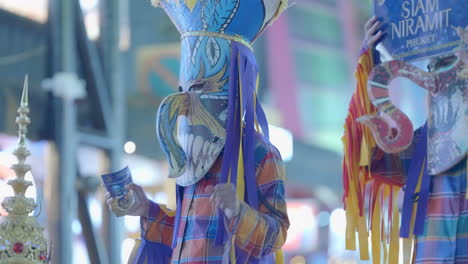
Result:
[189,145]
[205,149]
[216,97]
[197,146]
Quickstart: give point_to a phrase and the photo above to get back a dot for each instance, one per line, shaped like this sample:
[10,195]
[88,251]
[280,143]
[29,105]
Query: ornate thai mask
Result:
[191,127]
[448,116]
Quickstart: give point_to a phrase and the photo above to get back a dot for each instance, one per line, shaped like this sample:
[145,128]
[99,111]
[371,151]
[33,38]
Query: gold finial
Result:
[21,238]
[24,95]
[19,204]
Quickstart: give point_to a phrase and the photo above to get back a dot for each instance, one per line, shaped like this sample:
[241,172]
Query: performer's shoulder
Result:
[264,150]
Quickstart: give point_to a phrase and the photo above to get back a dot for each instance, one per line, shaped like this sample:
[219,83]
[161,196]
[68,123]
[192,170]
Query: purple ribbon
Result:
[422,203]
[243,70]
[179,196]
[249,82]
[153,211]
[418,160]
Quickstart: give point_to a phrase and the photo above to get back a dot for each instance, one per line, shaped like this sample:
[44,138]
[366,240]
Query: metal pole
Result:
[68,35]
[112,62]
[68,142]
[67,178]
[64,204]
[93,245]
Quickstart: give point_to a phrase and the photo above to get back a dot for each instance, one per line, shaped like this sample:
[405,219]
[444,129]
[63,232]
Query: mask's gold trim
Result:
[235,38]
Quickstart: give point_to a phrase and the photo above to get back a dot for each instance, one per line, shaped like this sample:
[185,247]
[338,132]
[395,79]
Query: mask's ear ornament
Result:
[392,129]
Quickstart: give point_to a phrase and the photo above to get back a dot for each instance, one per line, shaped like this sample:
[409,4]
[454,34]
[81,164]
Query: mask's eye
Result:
[180,89]
[445,62]
[197,87]
[441,63]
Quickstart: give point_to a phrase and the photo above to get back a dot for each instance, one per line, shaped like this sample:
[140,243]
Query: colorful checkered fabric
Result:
[445,238]
[393,168]
[258,234]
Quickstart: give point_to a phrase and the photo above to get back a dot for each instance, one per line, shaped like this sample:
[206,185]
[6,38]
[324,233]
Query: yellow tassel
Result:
[394,233]
[352,215]
[363,238]
[356,158]
[383,224]
[407,248]
[257,126]
[232,254]
[385,252]
[167,211]
[350,243]
[375,233]
[364,160]
[240,162]
[279,257]
[257,84]
[415,205]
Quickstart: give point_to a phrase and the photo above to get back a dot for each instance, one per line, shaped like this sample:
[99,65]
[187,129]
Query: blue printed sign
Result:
[417,29]
[115,184]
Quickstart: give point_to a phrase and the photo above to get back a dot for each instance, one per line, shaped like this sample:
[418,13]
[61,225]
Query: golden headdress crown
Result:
[21,238]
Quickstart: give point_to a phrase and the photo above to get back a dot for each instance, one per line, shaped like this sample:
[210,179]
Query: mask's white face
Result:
[191,130]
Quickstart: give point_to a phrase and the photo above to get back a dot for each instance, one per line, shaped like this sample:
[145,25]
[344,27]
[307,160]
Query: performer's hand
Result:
[141,205]
[224,197]
[372,36]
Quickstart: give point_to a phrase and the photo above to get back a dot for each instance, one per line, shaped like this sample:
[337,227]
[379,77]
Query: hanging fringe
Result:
[394,248]
[359,186]
[357,142]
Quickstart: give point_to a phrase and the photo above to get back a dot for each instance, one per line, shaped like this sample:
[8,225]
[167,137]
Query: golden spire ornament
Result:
[21,238]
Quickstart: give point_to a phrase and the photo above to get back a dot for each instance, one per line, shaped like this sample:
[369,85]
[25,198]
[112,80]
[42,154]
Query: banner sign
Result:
[417,29]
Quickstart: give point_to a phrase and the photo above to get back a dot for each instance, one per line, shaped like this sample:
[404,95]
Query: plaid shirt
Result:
[257,234]
[393,168]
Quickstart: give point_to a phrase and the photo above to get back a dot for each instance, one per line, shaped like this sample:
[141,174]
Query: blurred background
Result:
[120,59]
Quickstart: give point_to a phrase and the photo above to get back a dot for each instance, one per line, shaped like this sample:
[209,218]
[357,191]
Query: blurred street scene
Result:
[98,70]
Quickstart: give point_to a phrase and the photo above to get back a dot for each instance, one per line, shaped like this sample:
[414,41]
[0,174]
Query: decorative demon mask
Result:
[448,116]
[191,128]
